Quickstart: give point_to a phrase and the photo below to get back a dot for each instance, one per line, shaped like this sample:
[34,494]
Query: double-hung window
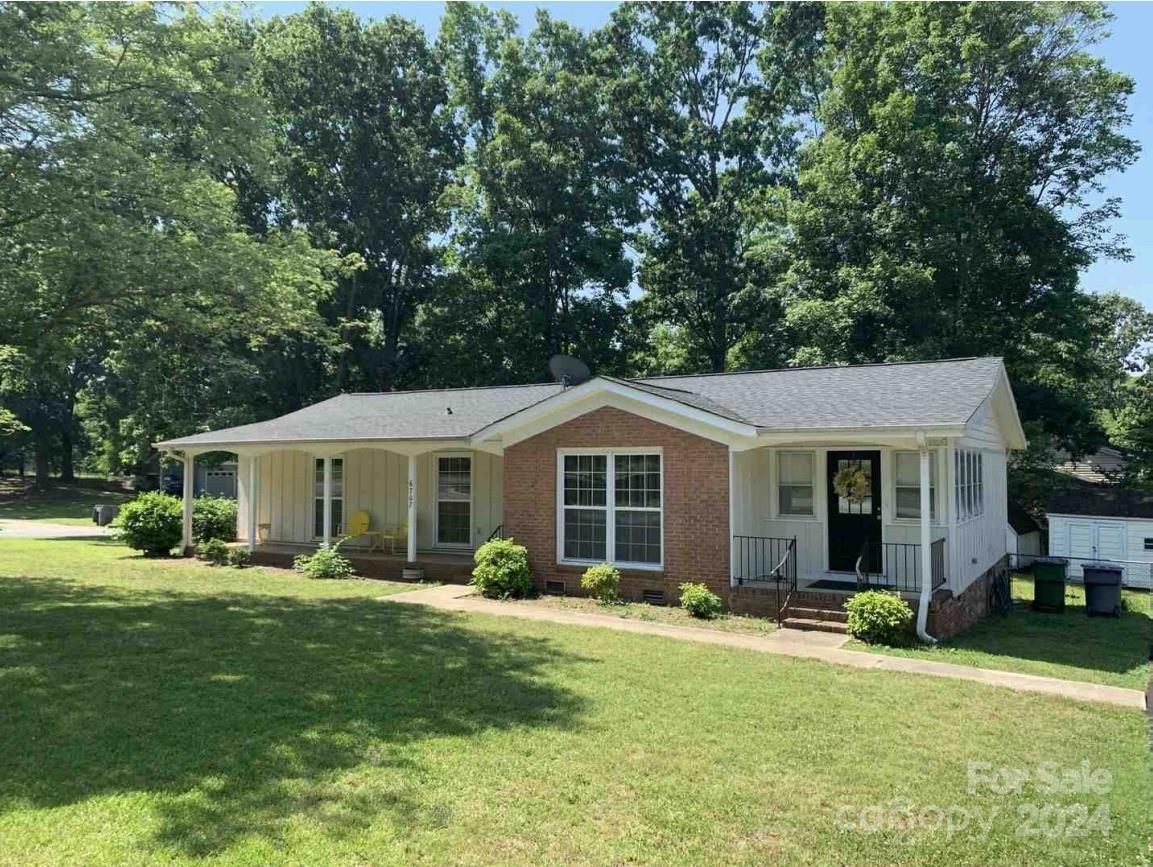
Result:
[908,485]
[453,500]
[611,508]
[318,498]
[795,483]
[969,490]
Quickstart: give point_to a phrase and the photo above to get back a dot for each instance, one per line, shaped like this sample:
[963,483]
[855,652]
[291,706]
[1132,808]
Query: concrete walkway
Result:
[787,642]
[18,529]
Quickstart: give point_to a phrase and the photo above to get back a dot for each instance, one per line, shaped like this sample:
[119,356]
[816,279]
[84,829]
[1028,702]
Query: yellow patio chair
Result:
[360,524]
[395,536]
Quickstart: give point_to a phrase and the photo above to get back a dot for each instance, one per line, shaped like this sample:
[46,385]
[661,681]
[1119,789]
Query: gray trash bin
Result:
[1103,588]
[104,514]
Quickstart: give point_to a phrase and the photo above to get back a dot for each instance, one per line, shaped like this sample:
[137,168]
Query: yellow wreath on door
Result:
[852,483]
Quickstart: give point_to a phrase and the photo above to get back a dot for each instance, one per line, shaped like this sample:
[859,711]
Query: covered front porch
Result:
[450,567]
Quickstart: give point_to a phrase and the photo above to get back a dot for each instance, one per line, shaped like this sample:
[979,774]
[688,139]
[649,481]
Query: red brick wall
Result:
[696,500]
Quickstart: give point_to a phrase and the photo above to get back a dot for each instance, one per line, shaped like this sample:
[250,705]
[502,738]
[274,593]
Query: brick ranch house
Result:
[780,489]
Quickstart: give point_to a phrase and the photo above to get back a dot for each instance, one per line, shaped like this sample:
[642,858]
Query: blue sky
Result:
[1127,50]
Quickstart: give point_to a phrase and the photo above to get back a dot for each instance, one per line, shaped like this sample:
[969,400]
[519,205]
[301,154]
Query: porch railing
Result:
[498,533]
[897,566]
[767,560]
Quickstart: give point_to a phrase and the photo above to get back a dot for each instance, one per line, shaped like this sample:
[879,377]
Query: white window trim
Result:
[969,498]
[610,507]
[342,519]
[934,490]
[436,499]
[776,470]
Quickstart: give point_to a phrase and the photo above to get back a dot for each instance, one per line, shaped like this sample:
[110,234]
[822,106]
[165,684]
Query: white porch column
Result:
[189,488]
[252,513]
[411,554]
[327,537]
[926,543]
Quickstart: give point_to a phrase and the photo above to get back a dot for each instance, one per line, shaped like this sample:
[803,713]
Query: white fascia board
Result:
[598,393]
[900,436]
[321,448]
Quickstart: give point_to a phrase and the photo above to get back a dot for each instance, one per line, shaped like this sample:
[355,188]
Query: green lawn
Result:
[58,503]
[1070,645]
[171,713]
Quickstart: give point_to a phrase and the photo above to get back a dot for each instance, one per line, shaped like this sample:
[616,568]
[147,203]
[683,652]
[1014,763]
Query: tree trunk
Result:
[67,470]
[43,467]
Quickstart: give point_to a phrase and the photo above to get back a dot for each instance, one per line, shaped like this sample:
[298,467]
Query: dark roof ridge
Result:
[819,367]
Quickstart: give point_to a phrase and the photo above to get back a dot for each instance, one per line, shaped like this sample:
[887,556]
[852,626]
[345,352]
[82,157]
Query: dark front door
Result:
[853,522]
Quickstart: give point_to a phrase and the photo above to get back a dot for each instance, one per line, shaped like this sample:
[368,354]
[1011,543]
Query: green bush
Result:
[239,558]
[152,523]
[213,518]
[878,617]
[700,601]
[327,562]
[603,582]
[214,551]
[502,570]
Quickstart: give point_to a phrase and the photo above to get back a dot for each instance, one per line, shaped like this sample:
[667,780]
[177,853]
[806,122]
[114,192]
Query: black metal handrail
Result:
[897,565]
[767,560]
[498,533]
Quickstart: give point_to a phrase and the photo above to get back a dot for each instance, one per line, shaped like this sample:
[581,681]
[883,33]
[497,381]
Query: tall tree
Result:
[544,202]
[367,147]
[709,138]
[945,207]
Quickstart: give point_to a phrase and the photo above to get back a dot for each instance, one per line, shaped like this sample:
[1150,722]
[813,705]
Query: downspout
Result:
[926,542]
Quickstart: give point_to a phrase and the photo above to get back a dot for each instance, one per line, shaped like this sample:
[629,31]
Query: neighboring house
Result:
[1102,467]
[1104,522]
[828,478]
[1022,533]
[218,480]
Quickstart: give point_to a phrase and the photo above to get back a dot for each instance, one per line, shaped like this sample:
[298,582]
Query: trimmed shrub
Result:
[700,601]
[327,562]
[152,523]
[239,558]
[502,570]
[878,617]
[213,518]
[603,582]
[214,551]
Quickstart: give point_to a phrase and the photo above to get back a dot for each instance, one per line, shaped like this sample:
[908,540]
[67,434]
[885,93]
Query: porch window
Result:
[619,524]
[795,483]
[908,485]
[337,498]
[454,500]
[969,490]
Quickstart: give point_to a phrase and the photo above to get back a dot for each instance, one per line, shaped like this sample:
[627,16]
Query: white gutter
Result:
[926,542]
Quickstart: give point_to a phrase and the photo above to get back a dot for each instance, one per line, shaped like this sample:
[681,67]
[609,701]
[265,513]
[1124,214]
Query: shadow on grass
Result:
[1118,645]
[244,713]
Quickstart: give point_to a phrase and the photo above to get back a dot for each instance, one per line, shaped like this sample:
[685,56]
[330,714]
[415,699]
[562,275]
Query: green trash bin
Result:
[1049,584]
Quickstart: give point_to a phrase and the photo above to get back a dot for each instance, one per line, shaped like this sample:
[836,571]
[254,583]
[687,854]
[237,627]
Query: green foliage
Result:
[325,562]
[602,582]
[878,617]
[214,551]
[502,570]
[152,523]
[239,558]
[700,601]
[213,518]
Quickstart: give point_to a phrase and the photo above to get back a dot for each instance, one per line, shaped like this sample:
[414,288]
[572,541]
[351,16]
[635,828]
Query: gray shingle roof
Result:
[872,395]
[880,395]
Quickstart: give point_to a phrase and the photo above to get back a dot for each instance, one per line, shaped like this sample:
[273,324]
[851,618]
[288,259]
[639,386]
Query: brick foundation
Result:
[696,501]
[376,567]
[949,614]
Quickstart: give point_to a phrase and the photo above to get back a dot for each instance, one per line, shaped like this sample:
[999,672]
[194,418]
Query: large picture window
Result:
[611,508]
[969,490]
[795,483]
[454,500]
[337,498]
[908,485]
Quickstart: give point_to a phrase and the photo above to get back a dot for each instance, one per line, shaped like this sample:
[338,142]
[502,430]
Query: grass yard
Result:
[1070,645]
[58,503]
[170,713]
[666,614]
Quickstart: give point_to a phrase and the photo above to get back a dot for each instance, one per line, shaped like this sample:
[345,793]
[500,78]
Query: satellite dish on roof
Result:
[568,370]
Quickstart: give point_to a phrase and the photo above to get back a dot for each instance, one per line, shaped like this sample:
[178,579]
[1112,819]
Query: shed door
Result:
[1110,542]
[1082,541]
